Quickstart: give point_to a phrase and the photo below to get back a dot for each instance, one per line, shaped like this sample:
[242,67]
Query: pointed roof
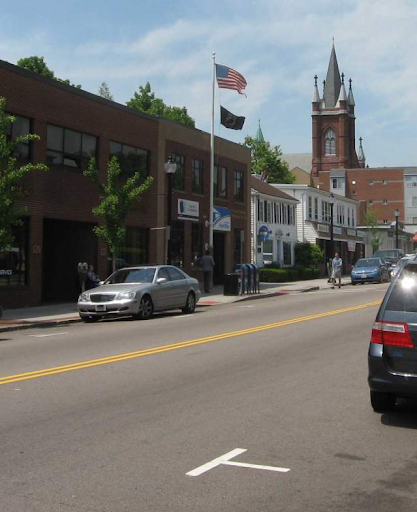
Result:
[333,82]
[361,153]
[259,135]
[351,99]
[316,94]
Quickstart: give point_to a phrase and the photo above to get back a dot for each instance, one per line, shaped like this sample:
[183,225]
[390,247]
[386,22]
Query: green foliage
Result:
[145,101]
[116,199]
[267,158]
[308,255]
[283,275]
[11,176]
[371,222]
[104,92]
[38,65]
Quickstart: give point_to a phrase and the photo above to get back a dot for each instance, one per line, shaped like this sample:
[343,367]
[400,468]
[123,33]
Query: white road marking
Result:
[246,306]
[47,335]
[225,460]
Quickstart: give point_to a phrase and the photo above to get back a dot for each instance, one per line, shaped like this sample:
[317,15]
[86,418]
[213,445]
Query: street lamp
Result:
[170,169]
[397,214]
[331,201]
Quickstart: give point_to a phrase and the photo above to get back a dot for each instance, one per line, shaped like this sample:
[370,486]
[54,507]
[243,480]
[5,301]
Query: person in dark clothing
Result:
[207,264]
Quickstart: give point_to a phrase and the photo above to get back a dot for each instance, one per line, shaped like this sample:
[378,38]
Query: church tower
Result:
[333,119]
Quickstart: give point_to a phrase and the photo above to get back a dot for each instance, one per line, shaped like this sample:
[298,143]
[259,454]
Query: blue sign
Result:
[222,220]
[263,233]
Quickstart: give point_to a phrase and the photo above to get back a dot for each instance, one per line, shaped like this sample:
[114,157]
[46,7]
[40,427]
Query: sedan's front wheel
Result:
[190,304]
[145,308]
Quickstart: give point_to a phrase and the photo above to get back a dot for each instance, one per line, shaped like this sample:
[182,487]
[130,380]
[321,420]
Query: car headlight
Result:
[84,297]
[126,295]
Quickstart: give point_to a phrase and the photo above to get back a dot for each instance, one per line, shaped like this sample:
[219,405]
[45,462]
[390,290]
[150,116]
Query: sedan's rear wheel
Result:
[145,308]
[190,304]
[382,402]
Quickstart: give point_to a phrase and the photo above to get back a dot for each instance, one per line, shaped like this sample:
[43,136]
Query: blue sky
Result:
[277,45]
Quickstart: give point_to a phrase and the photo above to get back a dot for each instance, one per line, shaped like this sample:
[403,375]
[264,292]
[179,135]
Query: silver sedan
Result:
[139,291]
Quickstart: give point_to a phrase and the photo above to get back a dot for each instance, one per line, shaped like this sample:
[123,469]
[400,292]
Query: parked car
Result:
[138,292]
[392,356]
[400,264]
[390,256]
[373,270]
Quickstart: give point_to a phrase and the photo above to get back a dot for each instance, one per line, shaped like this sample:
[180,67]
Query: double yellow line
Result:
[174,346]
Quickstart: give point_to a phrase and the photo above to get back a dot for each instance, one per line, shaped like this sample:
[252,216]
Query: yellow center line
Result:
[175,346]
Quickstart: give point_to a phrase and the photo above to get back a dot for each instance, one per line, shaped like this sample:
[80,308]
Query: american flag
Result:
[228,78]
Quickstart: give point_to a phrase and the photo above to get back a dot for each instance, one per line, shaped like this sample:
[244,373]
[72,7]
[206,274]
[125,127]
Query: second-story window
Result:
[178,181]
[70,148]
[131,159]
[198,186]
[238,189]
[20,127]
[330,142]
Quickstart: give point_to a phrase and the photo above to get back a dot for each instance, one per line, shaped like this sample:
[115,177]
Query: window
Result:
[265,211]
[310,208]
[385,201]
[330,142]
[238,191]
[268,255]
[269,212]
[177,243]
[336,183]
[371,201]
[175,274]
[286,246]
[69,148]
[384,182]
[316,208]
[385,221]
[414,201]
[260,210]
[14,263]
[131,159]
[353,192]
[198,186]
[20,127]
[220,182]
[237,245]
[196,240]
[411,220]
[178,182]
[411,181]
[135,248]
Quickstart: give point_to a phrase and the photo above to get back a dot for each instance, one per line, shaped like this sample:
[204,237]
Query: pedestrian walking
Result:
[337,269]
[207,264]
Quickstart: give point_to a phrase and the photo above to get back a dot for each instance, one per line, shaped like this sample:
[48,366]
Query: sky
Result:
[278,45]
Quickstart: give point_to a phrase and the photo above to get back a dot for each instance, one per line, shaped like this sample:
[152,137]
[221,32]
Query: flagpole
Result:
[212,156]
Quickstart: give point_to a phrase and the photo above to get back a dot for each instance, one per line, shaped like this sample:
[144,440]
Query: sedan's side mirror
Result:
[162,280]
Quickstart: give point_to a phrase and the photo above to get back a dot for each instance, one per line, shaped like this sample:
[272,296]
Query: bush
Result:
[282,275]
[308,255]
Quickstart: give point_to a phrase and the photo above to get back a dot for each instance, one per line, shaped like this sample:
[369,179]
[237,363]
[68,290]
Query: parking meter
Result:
[82,269]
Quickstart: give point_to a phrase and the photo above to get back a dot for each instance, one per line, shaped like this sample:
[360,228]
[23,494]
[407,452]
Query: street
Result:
[114,416]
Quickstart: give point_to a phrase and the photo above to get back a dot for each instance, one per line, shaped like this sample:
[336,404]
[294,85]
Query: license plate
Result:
[363,276]
[100,307]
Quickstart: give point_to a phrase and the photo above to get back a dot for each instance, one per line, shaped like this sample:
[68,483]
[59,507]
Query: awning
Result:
[415,237]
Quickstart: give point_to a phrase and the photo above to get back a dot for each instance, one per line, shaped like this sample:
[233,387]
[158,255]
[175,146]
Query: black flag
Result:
[231,121]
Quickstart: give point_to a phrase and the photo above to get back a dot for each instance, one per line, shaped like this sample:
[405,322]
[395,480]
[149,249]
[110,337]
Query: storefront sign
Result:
[351,232]
[324,228]
[188,209]
[337,231]
[361,234]
[7,272]
[263,233]
[351,245]
[222,220]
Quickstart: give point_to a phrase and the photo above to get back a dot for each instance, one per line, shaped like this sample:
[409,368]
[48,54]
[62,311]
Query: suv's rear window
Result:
[404,294]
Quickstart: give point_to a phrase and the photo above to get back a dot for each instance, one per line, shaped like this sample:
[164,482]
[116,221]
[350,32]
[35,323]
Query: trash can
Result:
[231,284]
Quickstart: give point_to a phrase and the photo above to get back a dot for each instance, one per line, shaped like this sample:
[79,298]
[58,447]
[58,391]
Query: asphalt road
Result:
[112,416]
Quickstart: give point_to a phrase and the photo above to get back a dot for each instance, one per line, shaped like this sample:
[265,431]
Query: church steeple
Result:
[316,94]
[259,135]
[333,82]
[361,154]
[351,99]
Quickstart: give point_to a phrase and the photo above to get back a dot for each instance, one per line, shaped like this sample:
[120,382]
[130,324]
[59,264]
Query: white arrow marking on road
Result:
[225,460]
[47,335]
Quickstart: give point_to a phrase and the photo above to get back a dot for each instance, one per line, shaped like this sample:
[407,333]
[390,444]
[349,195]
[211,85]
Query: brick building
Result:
[57,229]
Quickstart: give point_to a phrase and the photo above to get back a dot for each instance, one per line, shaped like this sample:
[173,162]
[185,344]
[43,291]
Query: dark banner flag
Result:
[231,121]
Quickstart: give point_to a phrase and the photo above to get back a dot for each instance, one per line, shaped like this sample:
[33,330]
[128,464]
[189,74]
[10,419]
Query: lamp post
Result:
[170,169]
[397,214]
[331,201]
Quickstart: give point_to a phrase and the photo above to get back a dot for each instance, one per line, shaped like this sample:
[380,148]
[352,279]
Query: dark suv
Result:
[392,357]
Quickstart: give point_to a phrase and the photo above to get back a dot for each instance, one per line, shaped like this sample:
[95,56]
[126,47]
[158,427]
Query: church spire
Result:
[351,99]
[259,135]
[316,94]
[361,154]
[333,83]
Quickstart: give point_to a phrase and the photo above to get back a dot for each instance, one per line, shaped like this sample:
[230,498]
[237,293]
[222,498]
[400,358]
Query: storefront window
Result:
[268,255]
[196,241]
[14,263]
[286,247]
[177,243]
[237,246]
[134,251]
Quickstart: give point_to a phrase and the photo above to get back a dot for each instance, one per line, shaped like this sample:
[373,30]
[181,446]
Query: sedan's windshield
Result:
[132,275]
[368,262]
[388,254]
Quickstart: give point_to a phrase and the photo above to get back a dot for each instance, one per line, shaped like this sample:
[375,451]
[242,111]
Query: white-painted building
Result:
[273,224]
[314,221]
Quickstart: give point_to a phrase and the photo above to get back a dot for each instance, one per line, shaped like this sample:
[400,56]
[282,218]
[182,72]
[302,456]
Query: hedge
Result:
[282,275]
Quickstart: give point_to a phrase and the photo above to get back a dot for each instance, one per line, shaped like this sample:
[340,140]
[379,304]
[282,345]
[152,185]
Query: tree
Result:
[308,255]
[104,92]
[116,199]
[145,101]
[371,222]
[38,65]
[11,176]
[267,158]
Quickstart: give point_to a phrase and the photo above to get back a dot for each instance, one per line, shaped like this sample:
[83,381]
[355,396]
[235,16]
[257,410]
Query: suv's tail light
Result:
[391,333]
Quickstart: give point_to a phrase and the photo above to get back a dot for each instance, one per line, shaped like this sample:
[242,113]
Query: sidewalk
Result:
[60,314]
